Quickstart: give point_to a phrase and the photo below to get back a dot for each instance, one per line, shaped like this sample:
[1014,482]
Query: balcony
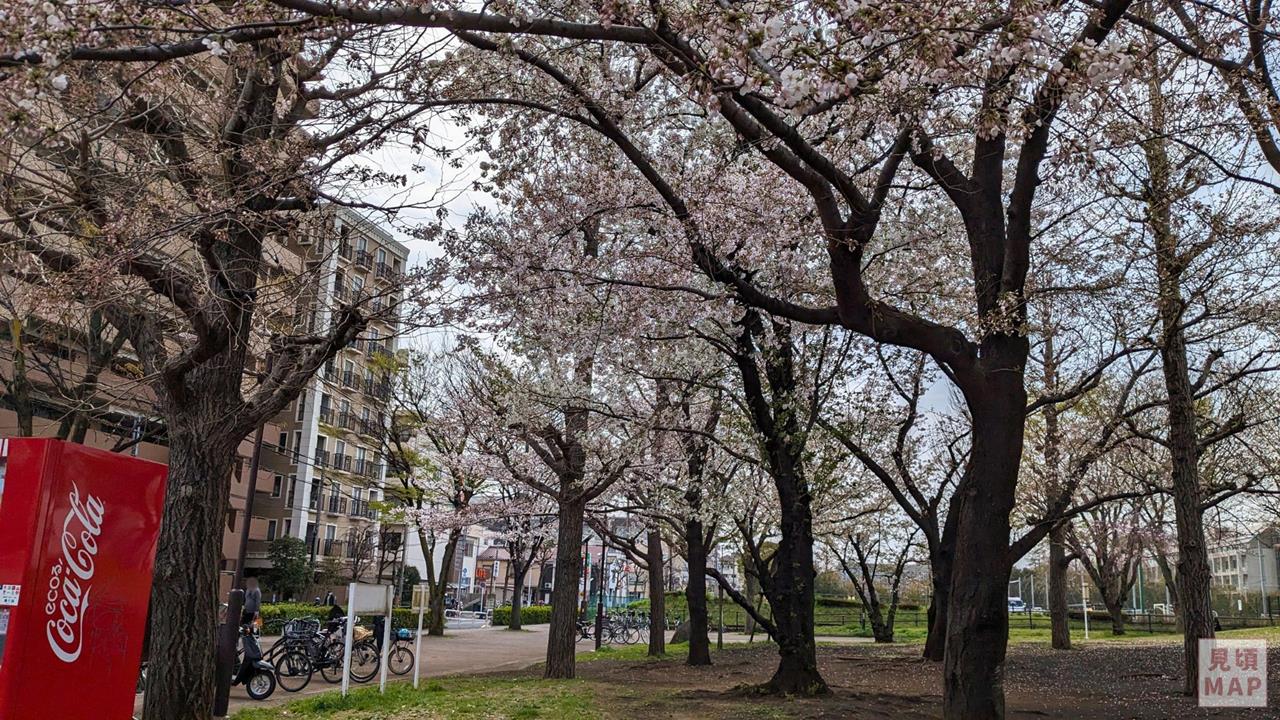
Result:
[322,458]
[372,470]
[326,415]
[329,369]
[349,379]
[347,421]
[362,509]
[340,291]
[364,259]
[344,250]
[331,548]
[373,349]
[370,427]
[386,272]
[377,388]
[315,502]
[342,462]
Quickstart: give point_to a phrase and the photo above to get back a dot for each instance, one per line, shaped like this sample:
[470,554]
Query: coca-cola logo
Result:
[70,578]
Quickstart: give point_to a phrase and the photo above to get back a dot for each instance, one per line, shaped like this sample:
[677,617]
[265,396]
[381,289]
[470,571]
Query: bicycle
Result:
[400,657]
[304,648]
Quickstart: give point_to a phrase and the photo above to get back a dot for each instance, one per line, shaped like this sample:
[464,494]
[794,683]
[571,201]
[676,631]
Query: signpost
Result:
[366,598]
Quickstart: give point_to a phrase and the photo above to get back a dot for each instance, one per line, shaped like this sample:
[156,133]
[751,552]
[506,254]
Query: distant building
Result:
[1247,563]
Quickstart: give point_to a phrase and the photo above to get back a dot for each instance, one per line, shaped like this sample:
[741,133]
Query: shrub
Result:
[275,615]
[529,615]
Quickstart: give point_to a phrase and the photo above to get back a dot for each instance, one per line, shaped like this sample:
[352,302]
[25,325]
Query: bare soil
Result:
[1102,681]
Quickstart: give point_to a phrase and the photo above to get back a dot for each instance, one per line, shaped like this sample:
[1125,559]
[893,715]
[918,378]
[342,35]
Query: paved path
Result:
[460,651]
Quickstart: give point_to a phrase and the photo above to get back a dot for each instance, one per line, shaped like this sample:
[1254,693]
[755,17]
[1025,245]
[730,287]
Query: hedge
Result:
[275,615]
[529,615]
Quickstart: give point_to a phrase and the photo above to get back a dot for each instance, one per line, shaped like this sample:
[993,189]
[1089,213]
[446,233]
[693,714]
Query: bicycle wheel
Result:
[293,671]
[331,665]
[400,661]
[365,661]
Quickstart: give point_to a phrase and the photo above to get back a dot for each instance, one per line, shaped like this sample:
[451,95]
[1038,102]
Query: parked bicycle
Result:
[400,657]
[305,648]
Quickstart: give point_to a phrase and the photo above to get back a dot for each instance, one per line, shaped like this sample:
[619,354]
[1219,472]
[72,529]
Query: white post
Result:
[1084,602]
[417,640]
[1265,609]
[386,639]
[349,636]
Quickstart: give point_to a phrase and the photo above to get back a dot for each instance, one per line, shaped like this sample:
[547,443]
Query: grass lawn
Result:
[446,699]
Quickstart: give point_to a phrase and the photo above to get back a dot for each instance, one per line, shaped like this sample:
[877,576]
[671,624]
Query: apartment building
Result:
[329,497]
[320,474]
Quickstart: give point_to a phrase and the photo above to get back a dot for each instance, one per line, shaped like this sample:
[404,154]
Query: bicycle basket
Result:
[404,633]
[301,627]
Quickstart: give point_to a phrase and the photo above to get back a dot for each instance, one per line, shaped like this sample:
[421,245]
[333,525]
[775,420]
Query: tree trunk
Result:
[563,636]
[1058,618]
[695,593]
[791,594]
[935,642]
[1193,574]
[1116,611]
[517,599]
[442,584]
[978,611]
[184,594]
[20,386]
[657,600]
[881,631]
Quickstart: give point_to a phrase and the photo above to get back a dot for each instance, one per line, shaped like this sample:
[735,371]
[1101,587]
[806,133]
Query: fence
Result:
[853,619]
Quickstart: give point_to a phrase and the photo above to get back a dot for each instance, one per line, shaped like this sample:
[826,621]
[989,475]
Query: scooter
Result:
[257,675]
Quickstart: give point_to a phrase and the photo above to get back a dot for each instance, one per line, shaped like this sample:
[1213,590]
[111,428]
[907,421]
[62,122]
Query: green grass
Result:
[446,699]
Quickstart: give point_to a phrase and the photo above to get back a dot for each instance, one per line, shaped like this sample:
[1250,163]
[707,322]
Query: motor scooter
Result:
[257,675]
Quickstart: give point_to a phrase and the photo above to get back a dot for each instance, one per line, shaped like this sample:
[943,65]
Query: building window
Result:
[288,527]
[277,486]
[293,489]
[283,441]
[271,530]
[302,406]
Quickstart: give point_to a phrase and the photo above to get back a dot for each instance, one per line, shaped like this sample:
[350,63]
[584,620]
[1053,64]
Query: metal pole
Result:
[1084,602]
[386,638]
[229,634]
[348,638]
[417,639]
[1262,579]
[600,595]
[586,571]
[248,509]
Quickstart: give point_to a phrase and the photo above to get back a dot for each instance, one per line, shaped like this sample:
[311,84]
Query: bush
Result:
[275,615]
[529,615]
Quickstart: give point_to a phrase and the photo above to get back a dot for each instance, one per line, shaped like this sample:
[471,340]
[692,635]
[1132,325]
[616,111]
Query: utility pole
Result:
[231,625]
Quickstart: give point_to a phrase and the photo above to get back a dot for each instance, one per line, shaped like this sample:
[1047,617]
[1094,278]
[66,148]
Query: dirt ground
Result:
[1111,681]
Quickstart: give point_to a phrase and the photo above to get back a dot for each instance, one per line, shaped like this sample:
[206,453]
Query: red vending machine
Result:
[78,530]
